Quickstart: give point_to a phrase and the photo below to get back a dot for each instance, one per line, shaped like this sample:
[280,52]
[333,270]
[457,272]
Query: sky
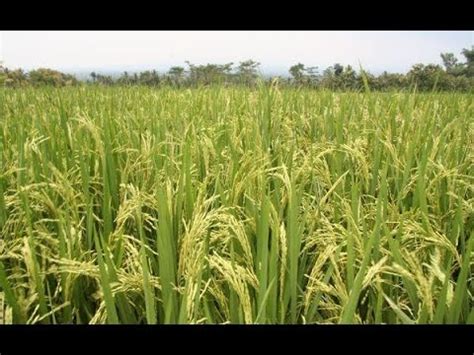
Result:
[76,51]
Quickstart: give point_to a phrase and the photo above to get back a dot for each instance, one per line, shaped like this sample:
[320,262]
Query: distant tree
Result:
[3,75]
[247,72]
[176,75]
[302,75]
[149,78]
[15,78]
[312,76]
[209,73]
[333,77]
[223,73]
[348,78]
[103,79]
[329,79]
[452,65]
[454,75]
[449,61]
[124,78]
[338,68]
[297,72]
[44,76]
[389,81]
[469,55]
[426,77]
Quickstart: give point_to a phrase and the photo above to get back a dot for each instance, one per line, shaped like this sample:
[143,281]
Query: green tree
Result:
[247,72]
[44,76]
[302,75]
[451,64]
[297,72]
[103,79]
[312,76]
[426,77]
[176,75]
[149,78]
[348,79]
[3,75]
[338,69]
[209,73]
[449,61]
[15,78]
[469,55]
[124,79]
[389,81]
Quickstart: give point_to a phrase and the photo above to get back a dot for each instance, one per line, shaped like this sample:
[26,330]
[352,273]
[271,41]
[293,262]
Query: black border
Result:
[276,15]
[319,339]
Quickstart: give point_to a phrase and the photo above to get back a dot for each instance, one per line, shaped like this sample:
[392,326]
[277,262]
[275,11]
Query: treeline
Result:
[37,77]
[453,75]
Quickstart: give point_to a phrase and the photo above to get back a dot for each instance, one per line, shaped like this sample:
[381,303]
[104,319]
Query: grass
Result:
[234,205]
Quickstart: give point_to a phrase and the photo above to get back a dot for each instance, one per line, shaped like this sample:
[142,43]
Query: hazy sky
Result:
[276,51]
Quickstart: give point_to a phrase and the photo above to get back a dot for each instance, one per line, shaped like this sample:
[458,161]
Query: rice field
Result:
[235,205]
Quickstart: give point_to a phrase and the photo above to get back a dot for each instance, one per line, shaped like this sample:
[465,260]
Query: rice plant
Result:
[235,205]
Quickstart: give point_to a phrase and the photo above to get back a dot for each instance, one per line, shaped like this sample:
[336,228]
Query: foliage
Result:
[43,76]
[216,205]
[304,76]
[455,76]
[247,72]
